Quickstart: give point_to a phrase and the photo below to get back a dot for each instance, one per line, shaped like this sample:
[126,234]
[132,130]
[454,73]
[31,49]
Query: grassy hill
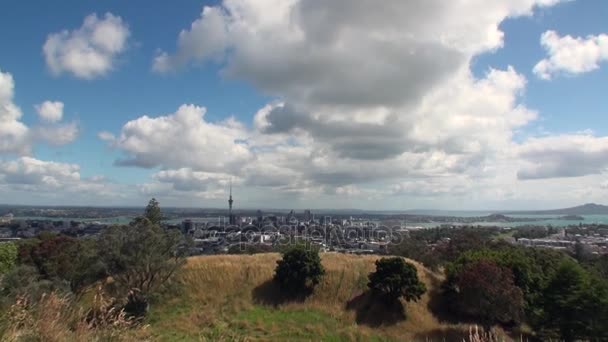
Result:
[229,297]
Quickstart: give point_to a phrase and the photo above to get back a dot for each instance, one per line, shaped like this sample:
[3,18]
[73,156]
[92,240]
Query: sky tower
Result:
[231,219]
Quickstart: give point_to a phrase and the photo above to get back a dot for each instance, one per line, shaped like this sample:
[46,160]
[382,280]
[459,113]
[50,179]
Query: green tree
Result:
[396,278]
[575,304]
[299,271]
[153,212]
[8,256]
[141,258]
[487,292]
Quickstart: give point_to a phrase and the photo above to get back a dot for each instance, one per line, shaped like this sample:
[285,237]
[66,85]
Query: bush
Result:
[8,256]
[299,271]
[396,278]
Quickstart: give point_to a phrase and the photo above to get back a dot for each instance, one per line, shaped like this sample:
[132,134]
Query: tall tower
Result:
[230,201]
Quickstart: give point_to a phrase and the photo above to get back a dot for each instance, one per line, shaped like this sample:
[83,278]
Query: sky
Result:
[461,105]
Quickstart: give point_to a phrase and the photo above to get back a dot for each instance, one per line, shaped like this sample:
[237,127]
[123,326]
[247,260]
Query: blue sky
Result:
[318,150]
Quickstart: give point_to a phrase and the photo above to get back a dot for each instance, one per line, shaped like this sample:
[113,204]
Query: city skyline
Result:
[305,104]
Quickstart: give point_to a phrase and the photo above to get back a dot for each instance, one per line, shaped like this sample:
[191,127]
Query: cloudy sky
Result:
[393,104]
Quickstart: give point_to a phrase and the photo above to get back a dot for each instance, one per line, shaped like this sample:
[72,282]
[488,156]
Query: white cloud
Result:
[50,111]
[571,55]
[182,139]
[365,96]
[89,51]
[56,134]
[32,180]
[16,137]
[30,171]
[563,156]
[13,133]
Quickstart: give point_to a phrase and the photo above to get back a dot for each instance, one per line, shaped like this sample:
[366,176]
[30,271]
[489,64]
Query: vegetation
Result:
[141,258]
[299,271]
[153,213]
[8,257]
[233,297]
[396,278]
[487,292]
[575,304]
[56,287]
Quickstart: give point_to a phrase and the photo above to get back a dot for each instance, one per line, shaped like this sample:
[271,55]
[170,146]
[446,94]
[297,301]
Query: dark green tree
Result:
[153,212]
[575,304]
[299,271]
[396,278]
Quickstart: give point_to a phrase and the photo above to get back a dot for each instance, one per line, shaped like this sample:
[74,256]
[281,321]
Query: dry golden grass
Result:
[58,319]
[230,297]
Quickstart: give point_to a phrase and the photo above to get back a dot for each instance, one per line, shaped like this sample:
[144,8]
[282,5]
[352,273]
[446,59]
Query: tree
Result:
[153,212]
[396,278]
[141,258]
[8,256]
[299,271]
[486,291]
[569,302]
[59,257]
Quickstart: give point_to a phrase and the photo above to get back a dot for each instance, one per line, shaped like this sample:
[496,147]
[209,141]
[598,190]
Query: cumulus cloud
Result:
[571,55]
[16,137]
[90,51]
[50,111]
[185,179]
[181,139]
[563,156]
[13,133]
[364,94]
[338,52]
[366,82]
[56,134]
[30,171]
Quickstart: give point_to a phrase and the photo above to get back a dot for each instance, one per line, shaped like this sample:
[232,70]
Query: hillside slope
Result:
[229,297]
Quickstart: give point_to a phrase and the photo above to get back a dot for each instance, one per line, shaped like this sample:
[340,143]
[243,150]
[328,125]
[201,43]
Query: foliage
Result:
[531,270]
[418,250]
[299,270]
[534,232]
[141,257]
[486,291]
[24,281]
[575,304]
[8,256]
[153,212]
[65,258]
[396,278]
[438,246]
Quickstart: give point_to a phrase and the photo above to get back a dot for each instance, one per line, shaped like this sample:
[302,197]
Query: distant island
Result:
[586,209]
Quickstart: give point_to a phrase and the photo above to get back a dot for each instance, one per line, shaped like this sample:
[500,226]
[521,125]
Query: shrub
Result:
[396,278]
[299,270]
[8,256]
